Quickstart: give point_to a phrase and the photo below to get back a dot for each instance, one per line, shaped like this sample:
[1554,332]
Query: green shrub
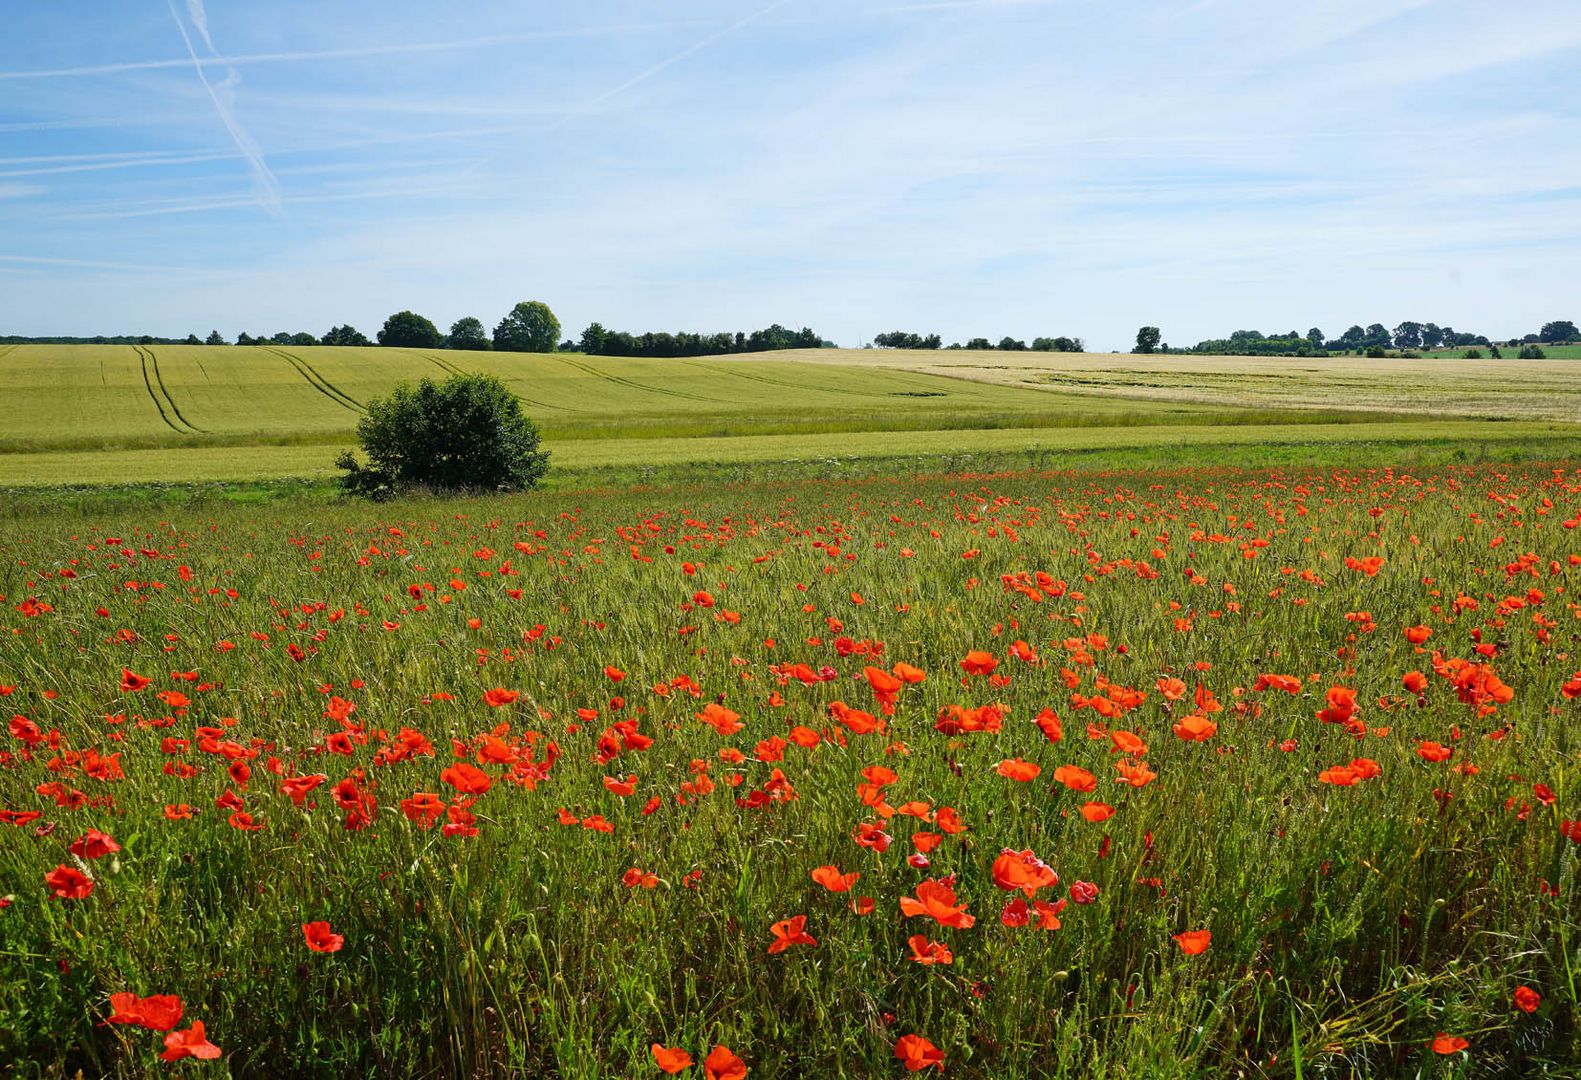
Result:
[1531,352]
[1472,354]
[465,434]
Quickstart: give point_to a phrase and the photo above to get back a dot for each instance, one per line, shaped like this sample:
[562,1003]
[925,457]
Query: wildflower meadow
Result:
[1246,773]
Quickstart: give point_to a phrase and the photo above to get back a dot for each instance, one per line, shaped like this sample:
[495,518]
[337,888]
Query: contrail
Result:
[354,53]
[268,187]
[200,20]
[682,55]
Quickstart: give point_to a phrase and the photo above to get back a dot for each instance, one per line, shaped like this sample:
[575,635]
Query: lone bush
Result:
[465,434]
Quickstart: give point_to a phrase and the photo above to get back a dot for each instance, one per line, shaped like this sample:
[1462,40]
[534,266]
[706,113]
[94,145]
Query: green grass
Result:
[639,460]
[1350,925]
[1550,352]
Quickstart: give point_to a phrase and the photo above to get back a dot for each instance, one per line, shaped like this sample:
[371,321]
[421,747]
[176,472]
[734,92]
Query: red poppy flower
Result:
[1527,999]
[1448,1044]
[131,682]
[68,883]
[94,844]
[671,1059]
[1023,870]
[1018,770]
[189,1043]
[1096,812]
[722,1064]
[1195,728]
[1076,778]
[937,900]
[928,952]
[721,719]
[978,662]
[320,938]
[467,778]
[917,1053]
[499,696]
[788,932]
[158,1012]
[831,878]
[1193,942]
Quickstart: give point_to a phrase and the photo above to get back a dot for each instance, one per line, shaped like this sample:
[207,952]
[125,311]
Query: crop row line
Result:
[318,382]
[161,396]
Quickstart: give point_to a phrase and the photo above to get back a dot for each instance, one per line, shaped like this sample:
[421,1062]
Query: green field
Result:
[100,415]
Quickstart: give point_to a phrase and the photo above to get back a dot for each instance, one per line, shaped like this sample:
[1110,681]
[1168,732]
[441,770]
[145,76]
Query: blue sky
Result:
[966,167]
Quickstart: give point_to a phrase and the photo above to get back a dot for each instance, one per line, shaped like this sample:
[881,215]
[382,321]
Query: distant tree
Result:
[303,339]
[1432,335]
[1493,351]
[192,339]
[1354,338]
[282,338]
[1147,339]
[594,339]
[1376,352]
[1315,338]
[468,432]
[1408,335]
[1559,331]
[344,335]
[932,341]
[1010,344]
[409,330]
[145,340]
[530,327]
[979,343]
[1531,352]
[1472,354]
[1377,336]
[214,338]
[468,333]
[244,338]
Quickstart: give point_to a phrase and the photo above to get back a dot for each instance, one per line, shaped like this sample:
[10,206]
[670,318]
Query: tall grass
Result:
[1350,924]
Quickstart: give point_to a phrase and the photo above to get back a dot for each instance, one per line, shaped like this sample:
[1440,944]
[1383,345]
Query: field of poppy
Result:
[1261,773]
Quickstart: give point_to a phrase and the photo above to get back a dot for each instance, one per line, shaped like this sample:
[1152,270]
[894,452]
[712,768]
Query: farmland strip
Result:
[318,382]
[159,380]
[153,396]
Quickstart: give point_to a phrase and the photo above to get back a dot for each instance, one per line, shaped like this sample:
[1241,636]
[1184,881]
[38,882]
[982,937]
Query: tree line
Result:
[597,341]
[902,339]
[1373,340]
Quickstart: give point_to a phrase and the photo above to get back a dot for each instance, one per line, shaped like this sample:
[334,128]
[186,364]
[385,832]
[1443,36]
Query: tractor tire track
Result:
[725,370]
[318,382]
[633,385]
[159,380]
[171,424]
[451,369]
